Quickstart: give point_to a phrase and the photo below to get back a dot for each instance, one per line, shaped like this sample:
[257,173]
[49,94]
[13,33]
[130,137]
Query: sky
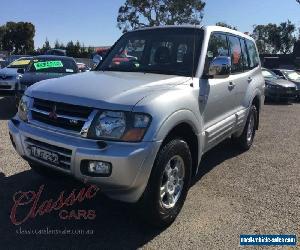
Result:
[94,23]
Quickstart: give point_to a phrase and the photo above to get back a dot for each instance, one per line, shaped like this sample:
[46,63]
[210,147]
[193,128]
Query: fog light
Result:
[99,167]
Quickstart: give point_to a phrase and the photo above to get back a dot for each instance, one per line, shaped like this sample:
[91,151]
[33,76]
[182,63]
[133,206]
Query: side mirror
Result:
[220,67]
[97,60]
[21,71]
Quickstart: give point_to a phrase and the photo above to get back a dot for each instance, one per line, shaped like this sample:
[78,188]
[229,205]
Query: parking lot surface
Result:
[254,192]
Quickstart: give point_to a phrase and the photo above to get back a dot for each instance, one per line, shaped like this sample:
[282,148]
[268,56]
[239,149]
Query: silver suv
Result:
[138,125]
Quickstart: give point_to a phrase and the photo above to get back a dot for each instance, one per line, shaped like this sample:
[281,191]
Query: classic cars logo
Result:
[30,203]
[3,76]
[52,114]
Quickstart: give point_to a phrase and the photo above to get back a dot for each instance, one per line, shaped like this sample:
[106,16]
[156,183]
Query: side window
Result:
[217,46]
[235,54]
[277,72]
[245,57]
[253,55]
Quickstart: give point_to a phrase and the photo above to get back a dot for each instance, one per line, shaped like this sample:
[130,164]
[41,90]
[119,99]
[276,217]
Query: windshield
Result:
[292,75]
[162,51]
[269,74]
[53,65]
[21,63]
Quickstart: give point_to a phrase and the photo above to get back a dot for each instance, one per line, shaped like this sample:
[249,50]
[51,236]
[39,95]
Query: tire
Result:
[44,171]
[161,212]
[245,141]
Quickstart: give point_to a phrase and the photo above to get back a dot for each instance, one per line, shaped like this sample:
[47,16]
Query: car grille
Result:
[61,115]
[5,78]
[5,87]
[64,154]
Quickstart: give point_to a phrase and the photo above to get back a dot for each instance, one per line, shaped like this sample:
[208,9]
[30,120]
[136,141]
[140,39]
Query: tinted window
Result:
[217,46]
[253,55]
[277,72]
[235,54]
[245,58]
[161,51]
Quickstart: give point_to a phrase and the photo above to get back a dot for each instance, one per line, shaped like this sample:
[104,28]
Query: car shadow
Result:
[222,152]
[116,225]
[7,108]
[278,103]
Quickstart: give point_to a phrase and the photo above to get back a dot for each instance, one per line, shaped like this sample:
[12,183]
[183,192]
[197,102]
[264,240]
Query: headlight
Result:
[121,126]
[24,108]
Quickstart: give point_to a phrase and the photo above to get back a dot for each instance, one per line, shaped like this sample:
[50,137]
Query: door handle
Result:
[250,79]
[231,85]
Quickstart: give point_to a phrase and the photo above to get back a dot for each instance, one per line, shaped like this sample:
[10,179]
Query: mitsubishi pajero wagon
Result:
[138,127]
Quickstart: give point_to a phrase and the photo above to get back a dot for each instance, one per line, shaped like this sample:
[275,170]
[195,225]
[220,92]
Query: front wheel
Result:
[168,184]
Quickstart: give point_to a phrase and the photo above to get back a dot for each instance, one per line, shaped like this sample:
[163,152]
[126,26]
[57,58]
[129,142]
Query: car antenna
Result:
[194,52]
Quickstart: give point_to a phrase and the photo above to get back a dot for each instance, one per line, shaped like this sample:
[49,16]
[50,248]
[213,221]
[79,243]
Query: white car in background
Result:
[9,76]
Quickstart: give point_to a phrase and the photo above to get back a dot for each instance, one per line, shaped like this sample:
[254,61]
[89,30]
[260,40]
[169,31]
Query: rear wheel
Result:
[245,141]
[168,184]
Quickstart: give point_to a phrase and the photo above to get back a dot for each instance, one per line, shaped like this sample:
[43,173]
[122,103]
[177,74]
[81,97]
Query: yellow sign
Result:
[20,62]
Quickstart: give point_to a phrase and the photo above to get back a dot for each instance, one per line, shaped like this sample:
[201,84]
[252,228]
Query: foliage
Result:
[272,38]
[223,24]
[134,14]
[17,37]
[72,49]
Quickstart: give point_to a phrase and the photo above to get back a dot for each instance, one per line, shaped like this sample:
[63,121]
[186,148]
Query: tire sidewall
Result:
[163,215]
[252,112]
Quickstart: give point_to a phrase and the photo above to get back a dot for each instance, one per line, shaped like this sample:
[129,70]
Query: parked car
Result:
[82,67]
[277,88]
[46,67]
[139,129]
[13,58]
[290,75]
[9,76]
[56,52]
[2,63]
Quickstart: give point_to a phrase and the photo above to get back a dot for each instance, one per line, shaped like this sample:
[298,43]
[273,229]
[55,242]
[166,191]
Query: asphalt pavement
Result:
[254,192]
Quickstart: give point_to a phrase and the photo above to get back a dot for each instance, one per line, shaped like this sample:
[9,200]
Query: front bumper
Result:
[280,94]
[131,162]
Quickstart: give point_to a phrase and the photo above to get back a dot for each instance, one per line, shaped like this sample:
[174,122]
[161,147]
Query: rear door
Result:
[240,75]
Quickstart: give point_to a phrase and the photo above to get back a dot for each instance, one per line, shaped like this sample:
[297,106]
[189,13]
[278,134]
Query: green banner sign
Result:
[48,64]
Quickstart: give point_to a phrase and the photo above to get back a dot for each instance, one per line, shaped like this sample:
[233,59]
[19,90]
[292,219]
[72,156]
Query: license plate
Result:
[45,155]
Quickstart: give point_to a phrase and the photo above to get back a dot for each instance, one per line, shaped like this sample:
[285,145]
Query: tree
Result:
[262,35]
[223,24]
[73,49]
[18,37]
[140,13]
[2,32]
[287,39]
[298,1]
[46,47]
[272,38]
[58,45]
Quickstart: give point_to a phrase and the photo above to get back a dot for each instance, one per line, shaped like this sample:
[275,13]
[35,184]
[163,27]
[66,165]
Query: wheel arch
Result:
[184,125]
